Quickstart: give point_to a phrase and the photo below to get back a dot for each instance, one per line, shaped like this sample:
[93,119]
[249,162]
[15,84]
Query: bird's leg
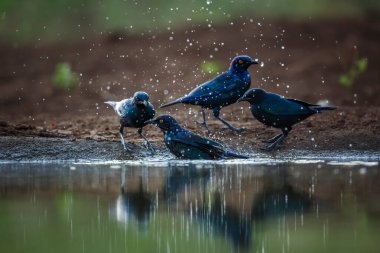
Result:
[216,112]
[122,179]
[146,142]
[123,142]
[203,124]
[271,146]
[271,140]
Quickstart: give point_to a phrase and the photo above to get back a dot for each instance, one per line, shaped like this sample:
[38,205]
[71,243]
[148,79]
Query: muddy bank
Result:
[346,128]
[37,149]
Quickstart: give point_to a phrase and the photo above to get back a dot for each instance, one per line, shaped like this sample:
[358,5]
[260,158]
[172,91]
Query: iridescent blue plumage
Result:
[133,113]
[185,144]
[279,112]
[222,91]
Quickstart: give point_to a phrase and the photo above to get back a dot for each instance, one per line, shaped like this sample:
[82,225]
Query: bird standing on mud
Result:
[279,112]
[223,90]
[185,144]
[133,113]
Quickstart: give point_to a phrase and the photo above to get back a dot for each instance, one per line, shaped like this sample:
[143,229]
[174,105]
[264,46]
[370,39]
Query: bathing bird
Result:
[133,113]
[221,91]
[277,111]
[185,144]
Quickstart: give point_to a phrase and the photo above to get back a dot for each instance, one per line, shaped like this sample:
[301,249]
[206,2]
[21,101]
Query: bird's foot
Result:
[267,148]
[210,133]
[274,144]
[126,147]
[271,140]
[234,129]
[149,147]
[204,126]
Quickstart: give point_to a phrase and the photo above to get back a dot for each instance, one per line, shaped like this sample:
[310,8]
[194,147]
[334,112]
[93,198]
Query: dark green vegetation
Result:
[211,67]
[31,21]
[64,78]
[358,67]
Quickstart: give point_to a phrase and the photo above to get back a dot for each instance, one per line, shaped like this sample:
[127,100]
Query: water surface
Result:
[190,207]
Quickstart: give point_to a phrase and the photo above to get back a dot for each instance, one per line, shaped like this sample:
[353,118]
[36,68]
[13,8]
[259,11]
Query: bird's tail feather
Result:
[229,154]
[324,108]
[177,101]
[111,103]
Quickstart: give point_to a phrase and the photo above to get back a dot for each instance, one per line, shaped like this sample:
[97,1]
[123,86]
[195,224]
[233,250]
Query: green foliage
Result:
[359,67]
[70,19]
[362,65]
[345,80]
[64,78]
[210,67]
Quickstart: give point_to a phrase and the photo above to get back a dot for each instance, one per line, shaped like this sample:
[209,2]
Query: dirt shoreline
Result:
[355,128]
[347,132]
[40,149]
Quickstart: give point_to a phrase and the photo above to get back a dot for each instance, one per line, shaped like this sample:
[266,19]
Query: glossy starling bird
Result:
[133,113]
[223,90]
[185,144]
[279,112]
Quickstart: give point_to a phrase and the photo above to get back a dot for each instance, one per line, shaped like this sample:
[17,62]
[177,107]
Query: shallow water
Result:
[190,207]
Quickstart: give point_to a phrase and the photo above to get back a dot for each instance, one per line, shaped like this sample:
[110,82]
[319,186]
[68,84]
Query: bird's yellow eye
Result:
[241,61]
[161,121]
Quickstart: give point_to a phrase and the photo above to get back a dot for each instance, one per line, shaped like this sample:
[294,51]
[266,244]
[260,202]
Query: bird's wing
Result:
[190,139]
[123,106]
[220,84]
[300,102]
[278,105]
[151,111]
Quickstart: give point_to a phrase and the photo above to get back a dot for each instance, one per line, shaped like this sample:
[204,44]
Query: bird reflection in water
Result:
[134,206]
[215,216]
[279,202]
[179,178]
[274,201]
[185,186]
[224,219]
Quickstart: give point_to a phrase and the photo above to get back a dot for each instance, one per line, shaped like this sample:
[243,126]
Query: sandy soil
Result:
[345,128]
[301,60]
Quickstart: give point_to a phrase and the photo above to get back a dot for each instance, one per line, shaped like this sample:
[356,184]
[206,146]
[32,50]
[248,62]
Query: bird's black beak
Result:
[143,103]
[151,121]
[254,62]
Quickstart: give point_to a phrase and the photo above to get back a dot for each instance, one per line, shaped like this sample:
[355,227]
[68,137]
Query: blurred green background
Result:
[26,21]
